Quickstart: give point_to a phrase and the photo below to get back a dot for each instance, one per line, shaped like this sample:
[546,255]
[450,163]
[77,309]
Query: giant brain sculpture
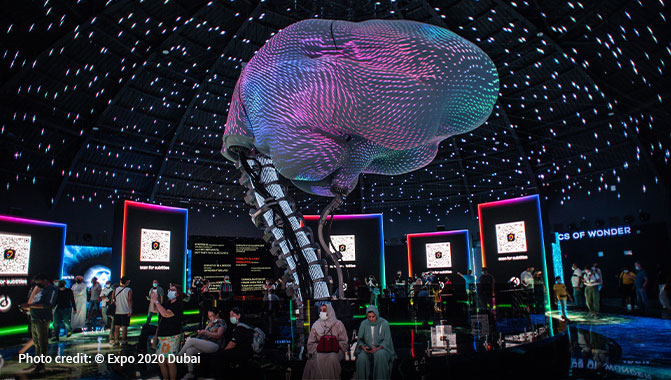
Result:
[328,100]
[324,101]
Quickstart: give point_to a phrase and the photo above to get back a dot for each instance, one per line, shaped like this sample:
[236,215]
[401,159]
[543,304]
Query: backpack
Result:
[259,338]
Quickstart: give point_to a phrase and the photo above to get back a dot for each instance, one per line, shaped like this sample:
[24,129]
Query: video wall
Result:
[442,252]
[88,261]
[149,244]
[511,236]
[28,247]
[247,261]
[360,240]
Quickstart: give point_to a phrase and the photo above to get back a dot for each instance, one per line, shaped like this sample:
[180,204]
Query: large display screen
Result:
[362,233]
[28,247]
[438,255]
[247,261]
[16,254]
[346,245]
[149,244]
[441,252]
[511,237]
[155,246]
[87,261]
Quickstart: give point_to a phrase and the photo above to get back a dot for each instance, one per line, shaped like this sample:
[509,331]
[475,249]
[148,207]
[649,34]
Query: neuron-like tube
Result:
[292,243]
[324,101]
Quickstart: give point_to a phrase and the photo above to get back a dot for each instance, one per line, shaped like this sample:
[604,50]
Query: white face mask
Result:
[234,320]
[323,316]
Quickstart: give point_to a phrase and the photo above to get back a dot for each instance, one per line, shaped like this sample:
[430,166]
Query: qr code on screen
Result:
[155,246]
[438,255]
[511,237]
[15,254]
[346,245]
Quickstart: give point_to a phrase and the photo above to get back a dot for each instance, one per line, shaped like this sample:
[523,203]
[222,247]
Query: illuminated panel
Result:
[11,219]
[155,245]
[15,254]
[493,214]
[447,235]
[511,237]
[152,207]
[438,255]
[378,217]
[346,245]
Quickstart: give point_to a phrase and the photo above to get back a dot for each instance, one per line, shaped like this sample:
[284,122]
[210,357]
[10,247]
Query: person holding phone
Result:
[375,348]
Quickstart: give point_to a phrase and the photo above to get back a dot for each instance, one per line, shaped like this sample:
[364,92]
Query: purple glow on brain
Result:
[328,100]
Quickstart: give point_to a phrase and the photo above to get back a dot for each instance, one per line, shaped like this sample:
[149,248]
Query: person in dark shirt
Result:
[65,305]
[240,346]
[486,288]
[169,328]
[641,287]
[41,315]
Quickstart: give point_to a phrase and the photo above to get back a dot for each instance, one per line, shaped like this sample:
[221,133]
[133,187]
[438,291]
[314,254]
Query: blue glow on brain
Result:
[328,100]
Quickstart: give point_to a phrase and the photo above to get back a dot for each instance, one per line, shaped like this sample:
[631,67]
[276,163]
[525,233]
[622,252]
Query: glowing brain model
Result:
[328,100]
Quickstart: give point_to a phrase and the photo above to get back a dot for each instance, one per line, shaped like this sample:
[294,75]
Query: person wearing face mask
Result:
[155,289]
[326,346]
[239,348]
[207,341]
[374,348]
[169,331]
[104,302]
[79,316]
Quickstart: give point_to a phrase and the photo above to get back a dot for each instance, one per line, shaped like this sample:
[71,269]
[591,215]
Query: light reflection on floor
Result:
[643,345]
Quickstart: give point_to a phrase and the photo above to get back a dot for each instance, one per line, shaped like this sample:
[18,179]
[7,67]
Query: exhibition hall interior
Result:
[341,189]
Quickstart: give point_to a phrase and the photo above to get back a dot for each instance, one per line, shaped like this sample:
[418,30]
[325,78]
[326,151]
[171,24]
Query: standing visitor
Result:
[123,300]
[561,295]
[641,287]
[592,296]
[40,316]
[627,290]
[486,288]
[578,286]
[105,295]
[154,290]
[65,305]
[79,291]
[169,329]
[94,302]
[662,279]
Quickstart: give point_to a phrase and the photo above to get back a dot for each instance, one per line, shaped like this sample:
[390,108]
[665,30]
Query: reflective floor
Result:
[614,346]
[619,346]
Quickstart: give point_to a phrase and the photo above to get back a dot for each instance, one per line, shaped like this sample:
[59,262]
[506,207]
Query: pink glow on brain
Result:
[328,100]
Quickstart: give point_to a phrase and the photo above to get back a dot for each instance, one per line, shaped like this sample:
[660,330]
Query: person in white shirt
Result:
[578,286]
[527,282]
[78,319]
[592,296]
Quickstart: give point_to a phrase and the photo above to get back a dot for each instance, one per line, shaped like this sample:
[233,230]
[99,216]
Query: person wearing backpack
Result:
[327,345]
[239,348]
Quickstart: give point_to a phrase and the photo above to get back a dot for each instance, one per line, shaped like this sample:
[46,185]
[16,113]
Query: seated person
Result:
[207,340]
[375,347]
[324,361]
[239,348]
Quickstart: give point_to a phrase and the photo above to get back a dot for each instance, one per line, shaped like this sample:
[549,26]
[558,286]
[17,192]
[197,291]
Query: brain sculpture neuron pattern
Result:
[328,100]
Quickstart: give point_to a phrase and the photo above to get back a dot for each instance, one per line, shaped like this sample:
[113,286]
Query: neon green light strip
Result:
[137,319]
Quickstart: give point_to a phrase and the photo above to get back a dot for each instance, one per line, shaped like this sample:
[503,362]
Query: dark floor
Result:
[613,346]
